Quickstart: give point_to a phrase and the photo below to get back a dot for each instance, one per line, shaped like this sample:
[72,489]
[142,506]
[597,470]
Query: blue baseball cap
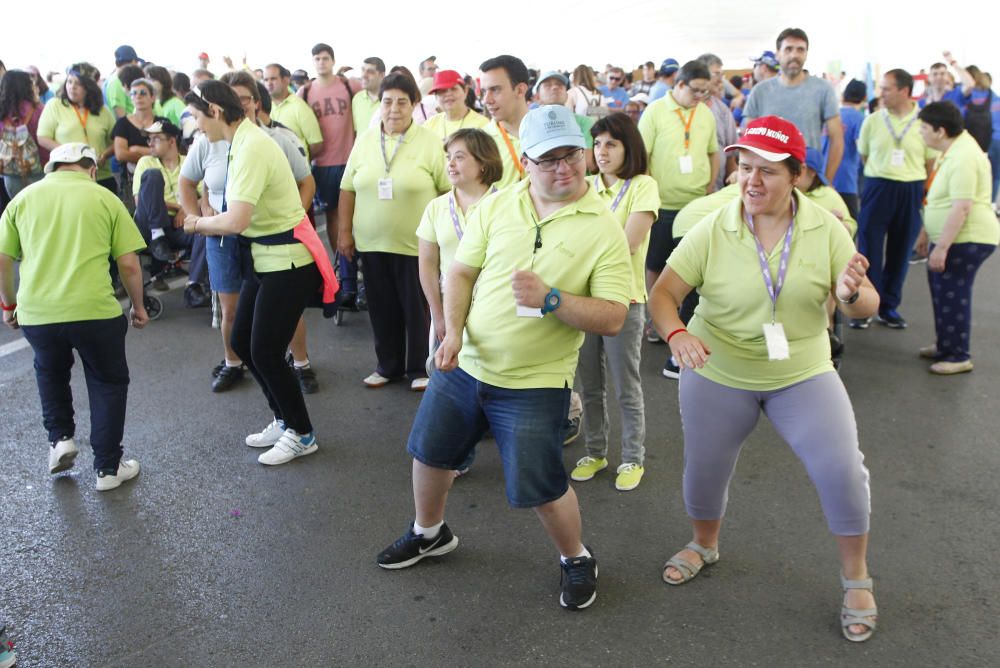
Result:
[814,161]
[551,74]
[768,58]
[549,127]
[125,54]
[668,67]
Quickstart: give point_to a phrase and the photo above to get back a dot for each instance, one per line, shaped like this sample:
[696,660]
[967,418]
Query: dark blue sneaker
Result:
[892,319]
[411,548]
[578,582]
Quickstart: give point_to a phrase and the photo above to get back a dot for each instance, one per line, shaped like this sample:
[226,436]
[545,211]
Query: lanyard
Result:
[454,216]
[513,154]
[773,289]
[444,125]
[387,160]
[930,179]
[619,196]
[687,126]
[898,139]
[82,119]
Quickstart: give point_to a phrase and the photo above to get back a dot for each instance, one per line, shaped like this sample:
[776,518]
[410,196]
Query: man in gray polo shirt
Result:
[808,101]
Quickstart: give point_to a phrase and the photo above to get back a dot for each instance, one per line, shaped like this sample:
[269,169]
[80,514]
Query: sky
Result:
[844,35]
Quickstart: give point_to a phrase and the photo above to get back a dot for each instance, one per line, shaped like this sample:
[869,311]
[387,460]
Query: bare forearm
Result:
[131,274]
[222,224]
[835,156]
[589,314]
[430,282]
[307,190]
[457,300]
[953,224]
[47,143]
[865,307]
[664,309]
[7,293]
[714,162]
[188,195]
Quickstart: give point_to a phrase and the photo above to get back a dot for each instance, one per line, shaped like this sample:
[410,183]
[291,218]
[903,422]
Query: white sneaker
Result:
[288,447]
[62,455]
[376,380]
[268,437]
[127,469]
[419,384]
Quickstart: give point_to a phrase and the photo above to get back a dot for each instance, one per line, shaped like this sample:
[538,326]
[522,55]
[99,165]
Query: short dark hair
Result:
[938,65]
[181,83]
[321,47]
[649,63]
[241,78]
[516,71]
[86,163]
[130,73]
[691,70]
[943,115]
[399,81]
[377,62]
[483,148]
[902,79]
[219,94]
[622,128]
[795,33]
[282,72]
[794,165]
[162,77]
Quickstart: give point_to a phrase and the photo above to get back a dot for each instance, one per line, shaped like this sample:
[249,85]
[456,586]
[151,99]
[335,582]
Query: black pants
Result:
[267,313]
[151,213]
[101,346]
[398,312]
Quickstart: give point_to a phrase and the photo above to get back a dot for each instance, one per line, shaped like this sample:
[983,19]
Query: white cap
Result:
[68,154]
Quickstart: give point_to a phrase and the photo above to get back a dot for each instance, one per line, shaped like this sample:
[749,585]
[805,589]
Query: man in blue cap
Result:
[664,79]
[116,96]
[549,263]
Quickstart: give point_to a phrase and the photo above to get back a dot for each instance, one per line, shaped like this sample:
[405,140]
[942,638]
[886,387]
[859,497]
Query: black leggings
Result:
[267,314]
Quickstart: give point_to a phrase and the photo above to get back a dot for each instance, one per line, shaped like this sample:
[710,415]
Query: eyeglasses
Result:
[246,99]
[552,164]
[614,78]
[139,92]
[698,92]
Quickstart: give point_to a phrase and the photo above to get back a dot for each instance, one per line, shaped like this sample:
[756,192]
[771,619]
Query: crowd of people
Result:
[514,237]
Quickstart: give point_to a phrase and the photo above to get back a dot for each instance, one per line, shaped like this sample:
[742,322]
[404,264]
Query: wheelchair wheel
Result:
[338,319]
[153,306]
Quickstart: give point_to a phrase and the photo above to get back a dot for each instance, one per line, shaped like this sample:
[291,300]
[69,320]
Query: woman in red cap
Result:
[451,91]
[764,266]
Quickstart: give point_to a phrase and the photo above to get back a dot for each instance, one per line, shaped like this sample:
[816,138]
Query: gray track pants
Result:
[814,417]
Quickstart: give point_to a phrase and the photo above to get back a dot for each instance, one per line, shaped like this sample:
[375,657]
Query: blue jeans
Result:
[328,191]
[994,155]
[101,346]
[528,425]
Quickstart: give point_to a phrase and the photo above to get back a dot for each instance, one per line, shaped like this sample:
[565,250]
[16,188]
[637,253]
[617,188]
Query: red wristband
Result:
[674,333]
[8,308]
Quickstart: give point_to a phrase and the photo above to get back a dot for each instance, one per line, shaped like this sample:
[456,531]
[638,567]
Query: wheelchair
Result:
[361,301]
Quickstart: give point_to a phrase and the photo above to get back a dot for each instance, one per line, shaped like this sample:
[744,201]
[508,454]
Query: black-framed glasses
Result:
[699,92]
[552,164]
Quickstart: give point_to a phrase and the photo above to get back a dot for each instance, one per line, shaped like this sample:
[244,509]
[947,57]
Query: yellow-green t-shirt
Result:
[115,95]
[363,107]
[170,176]
[963,172]
[830,199]
[642,196]
[511,158]
[697,209]
[584,252]
[438,227]
[877,144]
[418,176]
[719,258]
[259,175]
[59,122]
[443,128]
[63,229]
[662,130]
[172,109]
[295,114]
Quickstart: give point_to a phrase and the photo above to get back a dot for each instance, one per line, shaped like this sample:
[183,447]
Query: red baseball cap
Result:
[445,79]
[772,138]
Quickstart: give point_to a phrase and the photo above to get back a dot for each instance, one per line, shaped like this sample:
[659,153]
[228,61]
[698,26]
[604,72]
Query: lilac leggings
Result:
[814,417]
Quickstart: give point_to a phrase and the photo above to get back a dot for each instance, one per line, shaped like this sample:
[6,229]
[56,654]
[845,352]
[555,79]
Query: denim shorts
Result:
[328,184]
[528,426]
[225,271]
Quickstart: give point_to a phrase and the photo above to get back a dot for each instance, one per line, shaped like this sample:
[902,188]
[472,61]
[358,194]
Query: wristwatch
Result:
[850,300]
[552,301]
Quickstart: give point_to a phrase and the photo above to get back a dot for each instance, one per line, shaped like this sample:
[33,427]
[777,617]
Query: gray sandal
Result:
[851,616]
[688,570]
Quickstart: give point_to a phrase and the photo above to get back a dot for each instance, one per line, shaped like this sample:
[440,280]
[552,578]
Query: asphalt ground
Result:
[210,559]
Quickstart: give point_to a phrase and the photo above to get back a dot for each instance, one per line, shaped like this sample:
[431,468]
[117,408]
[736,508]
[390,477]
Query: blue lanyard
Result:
[621,193]
[773,288]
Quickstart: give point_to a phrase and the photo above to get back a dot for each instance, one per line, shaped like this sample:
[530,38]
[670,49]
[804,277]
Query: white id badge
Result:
[529,312]
[686,164]
[898,157]
[385,188]
[777,343]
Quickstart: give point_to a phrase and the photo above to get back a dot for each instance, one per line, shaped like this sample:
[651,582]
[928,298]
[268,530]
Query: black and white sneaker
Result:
[578,582]
[411,548]
[670,369]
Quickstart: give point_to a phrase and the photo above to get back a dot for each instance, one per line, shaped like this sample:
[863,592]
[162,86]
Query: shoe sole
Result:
[65,462]
[116,485]
[569,439]
[436,552]
[261,445]
[627,489]
[375,386]
[672,375]
[308,451]
[581,606]
[590,477]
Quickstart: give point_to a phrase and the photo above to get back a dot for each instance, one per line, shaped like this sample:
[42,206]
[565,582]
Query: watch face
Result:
[553,300]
